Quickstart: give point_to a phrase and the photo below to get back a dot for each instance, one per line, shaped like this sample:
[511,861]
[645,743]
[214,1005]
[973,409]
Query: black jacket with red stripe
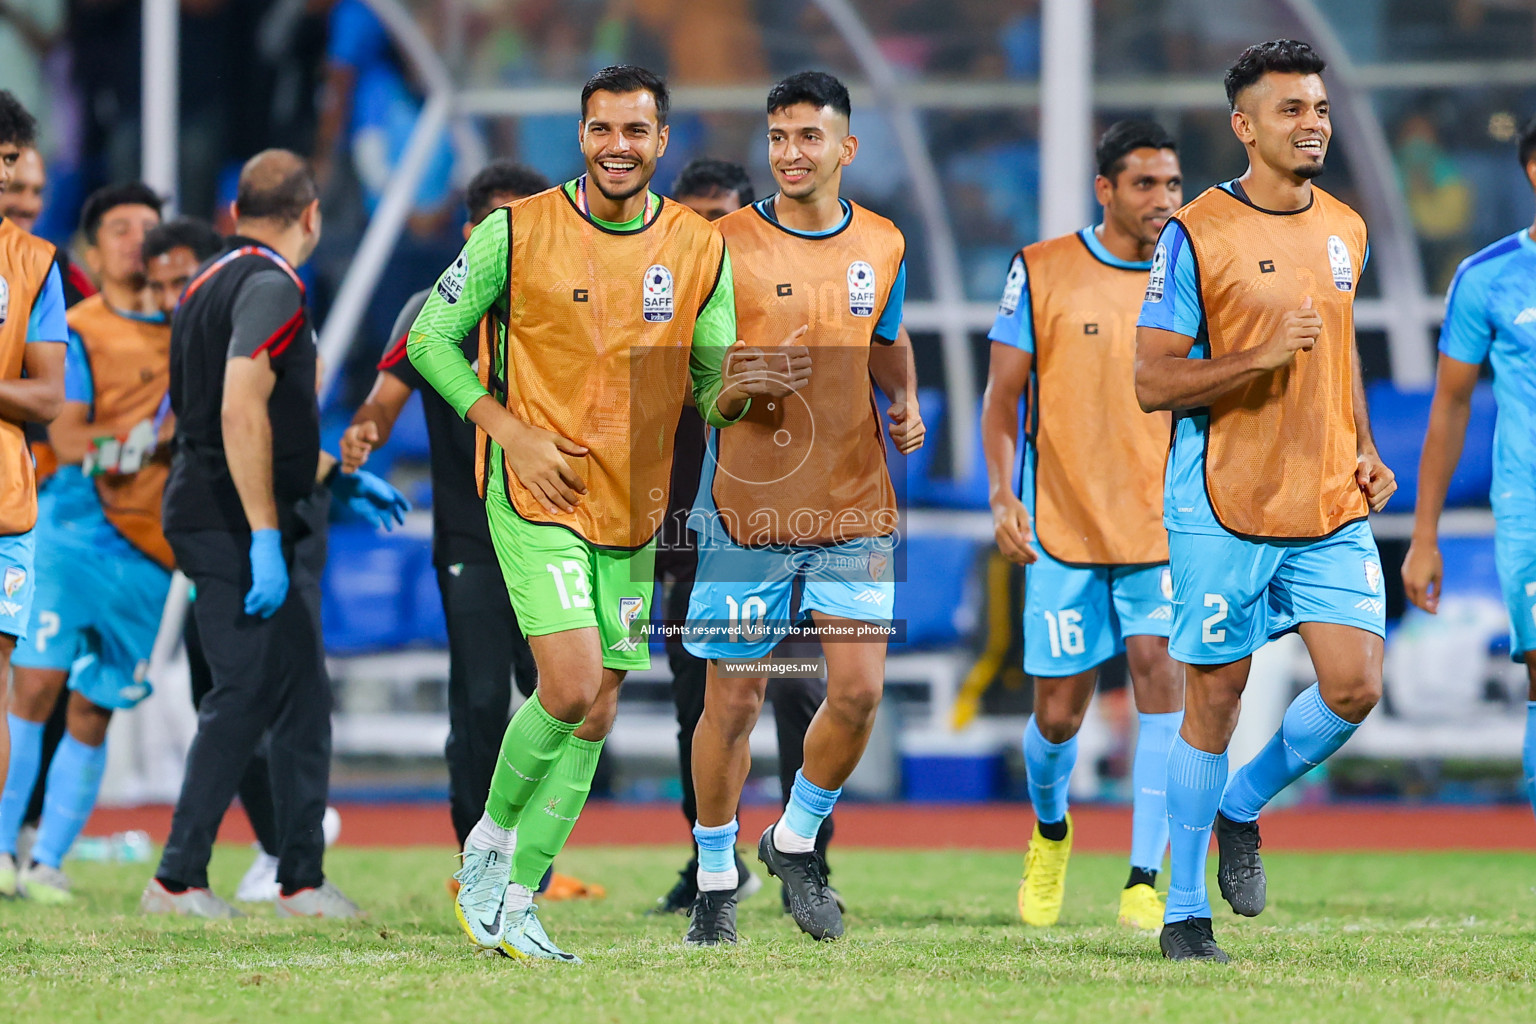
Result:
[244,303]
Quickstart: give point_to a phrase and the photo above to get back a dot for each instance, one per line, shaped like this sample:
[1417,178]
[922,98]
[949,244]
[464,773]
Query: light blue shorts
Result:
[96,613]
[740,605]
[1232,596]
[1077,618]
[17,584]
[1515,557]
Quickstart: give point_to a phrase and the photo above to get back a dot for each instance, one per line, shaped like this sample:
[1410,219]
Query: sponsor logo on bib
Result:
[861,288]
[1013,289]
[1158,278]
[451,285]
[1339,262]
[656,294]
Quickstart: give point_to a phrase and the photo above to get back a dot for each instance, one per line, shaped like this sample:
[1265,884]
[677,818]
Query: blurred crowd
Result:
[324,77]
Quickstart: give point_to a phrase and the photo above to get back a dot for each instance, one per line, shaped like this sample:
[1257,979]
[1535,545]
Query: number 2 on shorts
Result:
[1208,633]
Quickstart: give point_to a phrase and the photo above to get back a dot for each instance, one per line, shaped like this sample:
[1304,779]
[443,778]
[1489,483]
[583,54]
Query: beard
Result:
[644,180]
[1309,171]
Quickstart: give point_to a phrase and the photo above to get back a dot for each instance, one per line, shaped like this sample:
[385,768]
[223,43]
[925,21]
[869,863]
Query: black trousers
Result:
[795,703]
[268,678]
[486,648]
[256,784]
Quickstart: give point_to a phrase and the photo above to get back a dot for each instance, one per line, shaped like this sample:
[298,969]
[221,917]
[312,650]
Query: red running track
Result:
[923,826]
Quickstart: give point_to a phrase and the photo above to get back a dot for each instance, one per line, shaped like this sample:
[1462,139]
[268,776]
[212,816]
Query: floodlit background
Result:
[976,120]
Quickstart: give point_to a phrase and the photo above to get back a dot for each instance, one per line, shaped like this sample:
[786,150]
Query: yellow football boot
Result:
[1141,908]
[1045,878]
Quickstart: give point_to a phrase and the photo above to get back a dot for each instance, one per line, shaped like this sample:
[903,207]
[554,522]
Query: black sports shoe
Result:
[1240,872]
[714,919]
[804,875]
[1191,939]
[679,900]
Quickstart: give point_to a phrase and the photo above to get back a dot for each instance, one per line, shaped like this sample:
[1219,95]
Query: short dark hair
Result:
[1124,137]
[17,127]
[101,202]
[182,233]
[275,185]
[1527,148]
[1289,56]
[500,178]
[705,176]
[622,78]
[817,88]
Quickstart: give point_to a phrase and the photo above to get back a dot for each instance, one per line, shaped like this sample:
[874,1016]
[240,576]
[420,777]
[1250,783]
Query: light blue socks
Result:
[1308,736]
[809,805]
[20,777]
[1050,767]
[74,779]
[1149,785]
[717,856]
[1195,781]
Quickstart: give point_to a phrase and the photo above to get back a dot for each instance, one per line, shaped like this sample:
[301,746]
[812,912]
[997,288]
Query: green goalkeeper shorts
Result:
[560,581]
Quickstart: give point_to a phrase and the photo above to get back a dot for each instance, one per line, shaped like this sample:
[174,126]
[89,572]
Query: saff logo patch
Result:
[1013,288]
[861,288]
[5,300]
[451,285]
[1340,264]
[1157,280]
[656,294]
[15,579]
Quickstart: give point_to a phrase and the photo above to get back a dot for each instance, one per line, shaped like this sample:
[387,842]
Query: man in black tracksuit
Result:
[485,646]
[247,454]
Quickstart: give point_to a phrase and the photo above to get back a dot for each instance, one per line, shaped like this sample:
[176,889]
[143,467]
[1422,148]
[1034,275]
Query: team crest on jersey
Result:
[451,285]
[1013,288]
[15,579]
[656,294]
[5,301]
[1373,577]
[861,288]
[1157,280]
[629,611]
[877,565]
[1340,264]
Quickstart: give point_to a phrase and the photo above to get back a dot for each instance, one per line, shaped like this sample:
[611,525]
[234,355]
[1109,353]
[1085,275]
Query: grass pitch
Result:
[932,937]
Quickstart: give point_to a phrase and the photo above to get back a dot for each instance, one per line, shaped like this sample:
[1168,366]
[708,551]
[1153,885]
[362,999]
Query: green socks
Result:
[531,747]
[553,810]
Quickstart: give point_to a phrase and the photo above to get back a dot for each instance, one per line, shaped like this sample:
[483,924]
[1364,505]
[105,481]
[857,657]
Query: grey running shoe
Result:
[157,899]
[804,875]
[1191,939]
[1240,871]
[260,882]
[8,875]
[43,884]
[714,919]
[323,900]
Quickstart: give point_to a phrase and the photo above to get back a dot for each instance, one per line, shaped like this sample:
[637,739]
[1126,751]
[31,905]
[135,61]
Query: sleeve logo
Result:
[1339,262]
[1013,288]
[861,288]
[656,294]
[451,285]
[1157,280]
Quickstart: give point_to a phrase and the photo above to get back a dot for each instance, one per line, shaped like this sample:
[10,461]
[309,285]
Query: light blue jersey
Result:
[1173,303]
[1015,324]
[1491,314]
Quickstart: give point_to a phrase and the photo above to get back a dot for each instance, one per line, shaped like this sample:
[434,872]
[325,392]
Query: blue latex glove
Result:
[269,575]
[371,497]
